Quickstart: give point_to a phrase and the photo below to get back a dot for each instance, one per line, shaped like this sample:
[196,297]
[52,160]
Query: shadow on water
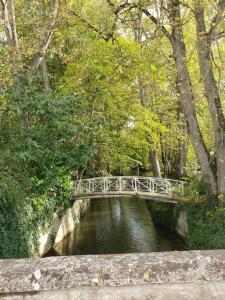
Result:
[117,226]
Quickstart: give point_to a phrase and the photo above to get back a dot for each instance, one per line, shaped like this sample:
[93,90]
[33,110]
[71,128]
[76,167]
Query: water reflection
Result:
[117,226]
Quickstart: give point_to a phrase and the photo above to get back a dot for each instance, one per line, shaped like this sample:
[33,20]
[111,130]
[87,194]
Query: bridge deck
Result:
[143,196]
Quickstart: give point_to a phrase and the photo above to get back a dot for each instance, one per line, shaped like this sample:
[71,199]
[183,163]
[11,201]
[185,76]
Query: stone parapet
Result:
[145,276]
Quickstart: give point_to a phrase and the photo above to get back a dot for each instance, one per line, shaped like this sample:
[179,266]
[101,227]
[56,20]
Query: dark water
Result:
[117,226]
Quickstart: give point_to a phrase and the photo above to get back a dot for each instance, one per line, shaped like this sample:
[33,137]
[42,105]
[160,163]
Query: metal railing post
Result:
[89,186]
[182,188]
[120,184]
[168,187]
[135,185]
[153,185]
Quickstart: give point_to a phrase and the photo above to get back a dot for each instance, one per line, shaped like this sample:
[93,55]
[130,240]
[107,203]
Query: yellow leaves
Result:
[145,123]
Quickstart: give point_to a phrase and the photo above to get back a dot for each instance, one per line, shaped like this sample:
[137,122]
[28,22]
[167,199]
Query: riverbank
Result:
[60,227]
[201,227]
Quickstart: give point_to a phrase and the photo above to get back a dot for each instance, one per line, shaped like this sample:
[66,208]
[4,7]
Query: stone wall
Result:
[191,275]
[60,227]
[182,224]
[167,214]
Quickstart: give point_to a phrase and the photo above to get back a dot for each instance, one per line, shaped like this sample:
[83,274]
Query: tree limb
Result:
[92,27]
[44,43]
[111,4]
[156,22]
[117,9]
[217,20]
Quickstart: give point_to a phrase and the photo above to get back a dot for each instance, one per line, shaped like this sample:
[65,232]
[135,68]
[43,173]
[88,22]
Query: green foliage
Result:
[206,227]
[21,217]
[196,188]
[41,147]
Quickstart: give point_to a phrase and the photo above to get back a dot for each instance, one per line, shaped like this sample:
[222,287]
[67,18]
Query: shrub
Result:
[206,226]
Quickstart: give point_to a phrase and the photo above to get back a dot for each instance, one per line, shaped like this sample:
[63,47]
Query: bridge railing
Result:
[133,184]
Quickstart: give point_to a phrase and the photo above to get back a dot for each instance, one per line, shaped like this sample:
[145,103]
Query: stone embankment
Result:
[169,216]
[192,275]
[60,227]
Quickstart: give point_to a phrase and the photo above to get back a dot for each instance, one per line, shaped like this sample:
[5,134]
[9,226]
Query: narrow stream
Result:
[117,226]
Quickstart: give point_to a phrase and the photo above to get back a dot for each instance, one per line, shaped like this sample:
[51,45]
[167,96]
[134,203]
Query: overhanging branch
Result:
[219,17]
[157,23]
[92,27]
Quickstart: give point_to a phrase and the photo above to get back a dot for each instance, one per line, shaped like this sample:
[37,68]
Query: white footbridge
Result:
[152,188]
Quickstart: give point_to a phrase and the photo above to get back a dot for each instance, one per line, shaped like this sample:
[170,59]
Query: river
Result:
[117,226]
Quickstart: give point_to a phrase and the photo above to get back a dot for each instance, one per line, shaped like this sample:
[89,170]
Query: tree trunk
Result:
[187,98]
[141,91]
[182,159]
[45,77]
[9,22]
[212,95]
[11,32]
[153,156]
[155,163]
[182,144]
[164,155]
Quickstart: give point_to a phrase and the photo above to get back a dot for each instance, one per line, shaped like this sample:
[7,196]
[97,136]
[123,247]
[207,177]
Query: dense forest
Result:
[106,87]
